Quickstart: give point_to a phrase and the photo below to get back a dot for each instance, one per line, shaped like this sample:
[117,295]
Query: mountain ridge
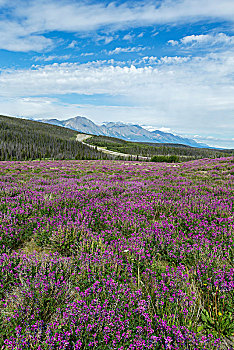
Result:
[127,132]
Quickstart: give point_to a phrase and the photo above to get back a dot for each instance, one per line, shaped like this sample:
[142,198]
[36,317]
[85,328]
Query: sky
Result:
[166,64]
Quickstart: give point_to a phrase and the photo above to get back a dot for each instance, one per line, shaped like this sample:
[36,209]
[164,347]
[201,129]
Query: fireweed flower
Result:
[115,255]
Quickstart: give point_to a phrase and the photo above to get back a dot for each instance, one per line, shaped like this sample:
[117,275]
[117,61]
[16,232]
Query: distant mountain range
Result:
[128,132]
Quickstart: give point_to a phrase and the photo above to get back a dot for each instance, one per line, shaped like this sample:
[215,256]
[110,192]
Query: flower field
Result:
[116,255]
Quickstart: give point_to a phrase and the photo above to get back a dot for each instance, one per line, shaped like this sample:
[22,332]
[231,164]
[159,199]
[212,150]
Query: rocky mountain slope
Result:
[128,132]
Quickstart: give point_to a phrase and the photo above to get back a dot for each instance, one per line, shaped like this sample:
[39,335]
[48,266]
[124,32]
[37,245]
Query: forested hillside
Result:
[22,139]
[153,150]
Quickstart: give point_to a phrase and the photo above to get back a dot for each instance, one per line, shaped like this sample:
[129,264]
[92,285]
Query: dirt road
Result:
[82,137]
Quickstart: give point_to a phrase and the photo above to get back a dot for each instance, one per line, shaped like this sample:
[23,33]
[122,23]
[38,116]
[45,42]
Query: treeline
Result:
[157,150]
[168,159]
[22,139]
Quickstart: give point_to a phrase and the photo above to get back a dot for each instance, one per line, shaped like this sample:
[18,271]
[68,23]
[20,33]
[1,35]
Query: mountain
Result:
[85,125]
[170,138]
[128,132]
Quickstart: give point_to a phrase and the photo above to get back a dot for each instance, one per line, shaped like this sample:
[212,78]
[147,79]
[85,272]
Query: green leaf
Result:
[200,328]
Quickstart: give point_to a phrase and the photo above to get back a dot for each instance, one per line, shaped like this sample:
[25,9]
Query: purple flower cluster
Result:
[116,255]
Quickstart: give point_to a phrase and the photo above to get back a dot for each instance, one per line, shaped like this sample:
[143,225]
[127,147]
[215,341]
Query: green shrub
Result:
[167,159]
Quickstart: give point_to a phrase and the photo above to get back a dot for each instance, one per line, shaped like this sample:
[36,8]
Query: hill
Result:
[22,139]
[155,151]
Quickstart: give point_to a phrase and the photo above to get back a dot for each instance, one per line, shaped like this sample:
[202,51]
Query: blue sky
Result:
[165,64]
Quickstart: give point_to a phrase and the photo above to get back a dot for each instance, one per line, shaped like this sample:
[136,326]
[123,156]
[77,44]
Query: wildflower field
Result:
[116,255]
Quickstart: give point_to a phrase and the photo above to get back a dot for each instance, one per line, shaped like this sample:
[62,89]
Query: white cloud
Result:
[191,39]
[195,75]
[153,60]
[97,38]
[214,141]
[173,42]
[29,20]
[119,50]
[18,40]
[195,95]
[165,129]
[149,127]
[51,58]
[28,106]
[153,128]
[72,44]
[207,40]
[173,60]
[85,54]
[128,37]
[3,3]
[108,39]
[71,16]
